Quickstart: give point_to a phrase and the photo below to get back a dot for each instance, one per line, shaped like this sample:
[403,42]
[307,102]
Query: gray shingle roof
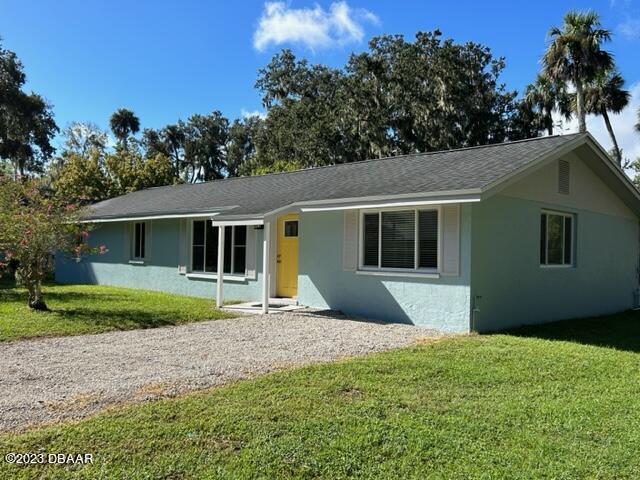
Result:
[446,171]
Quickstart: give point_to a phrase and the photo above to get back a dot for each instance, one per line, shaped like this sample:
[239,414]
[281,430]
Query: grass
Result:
[78,309]
[559,401]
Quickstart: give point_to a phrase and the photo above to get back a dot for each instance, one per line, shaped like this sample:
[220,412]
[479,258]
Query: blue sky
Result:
[168,60]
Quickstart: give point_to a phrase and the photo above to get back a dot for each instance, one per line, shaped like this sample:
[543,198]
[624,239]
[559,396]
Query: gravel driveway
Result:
[49,379]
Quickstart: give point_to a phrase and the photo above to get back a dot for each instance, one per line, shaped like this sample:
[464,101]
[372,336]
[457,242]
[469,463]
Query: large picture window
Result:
[138,240]
[556,239]
[204,248]
[400,240]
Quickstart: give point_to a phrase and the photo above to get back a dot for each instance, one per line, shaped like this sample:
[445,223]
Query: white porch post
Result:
[220,266]
[265,266]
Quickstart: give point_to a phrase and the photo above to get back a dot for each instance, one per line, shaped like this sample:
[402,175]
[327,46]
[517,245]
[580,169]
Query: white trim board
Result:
[231,223]
[151,217]
[416,203]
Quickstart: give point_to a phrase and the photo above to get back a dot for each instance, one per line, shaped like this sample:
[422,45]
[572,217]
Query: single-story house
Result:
[474,239]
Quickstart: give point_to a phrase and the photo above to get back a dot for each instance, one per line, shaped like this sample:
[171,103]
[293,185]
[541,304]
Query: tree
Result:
[397,97]
[26,120]
[638,124]
[575,55]
[83,137]
[124,123]
[241,145]
[545,95]
[205,146]
[128,171]
[169,141]
[606,94]
[525,121]
[82,179]
[33,227]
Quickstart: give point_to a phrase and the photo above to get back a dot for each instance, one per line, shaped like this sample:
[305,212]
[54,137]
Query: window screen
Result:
[556,239]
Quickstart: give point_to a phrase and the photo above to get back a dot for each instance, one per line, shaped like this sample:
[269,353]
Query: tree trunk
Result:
[616,149]
[582,117]
[36,300]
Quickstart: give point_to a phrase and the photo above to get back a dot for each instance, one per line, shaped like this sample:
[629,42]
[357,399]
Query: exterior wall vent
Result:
[563,177]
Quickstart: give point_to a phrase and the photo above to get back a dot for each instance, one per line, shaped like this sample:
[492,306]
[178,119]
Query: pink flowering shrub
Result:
[34,226]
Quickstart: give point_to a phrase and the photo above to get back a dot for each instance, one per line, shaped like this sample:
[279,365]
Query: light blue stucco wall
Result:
[160,271]
[442,303]
[515,290]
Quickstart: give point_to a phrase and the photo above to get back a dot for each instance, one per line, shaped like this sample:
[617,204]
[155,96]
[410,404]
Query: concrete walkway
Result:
[45,380]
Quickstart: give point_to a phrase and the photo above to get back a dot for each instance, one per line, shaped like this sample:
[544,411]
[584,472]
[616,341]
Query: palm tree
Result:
[575,55]
[638,124]
[606,94]
[546,95]
[123,123]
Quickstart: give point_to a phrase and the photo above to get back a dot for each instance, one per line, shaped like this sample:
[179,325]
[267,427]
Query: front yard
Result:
[78,309]
[558,401]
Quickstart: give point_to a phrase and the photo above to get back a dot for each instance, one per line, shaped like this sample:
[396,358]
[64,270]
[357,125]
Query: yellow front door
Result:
[287,259]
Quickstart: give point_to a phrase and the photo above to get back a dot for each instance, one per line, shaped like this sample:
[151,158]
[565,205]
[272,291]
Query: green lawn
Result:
[560,401]
[77,309]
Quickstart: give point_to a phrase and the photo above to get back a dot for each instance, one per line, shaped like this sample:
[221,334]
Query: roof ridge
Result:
[359,162]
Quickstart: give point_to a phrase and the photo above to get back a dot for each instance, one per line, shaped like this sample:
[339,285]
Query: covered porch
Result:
[279,262]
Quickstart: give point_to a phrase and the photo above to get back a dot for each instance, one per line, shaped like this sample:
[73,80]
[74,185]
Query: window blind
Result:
[371,234]
[398,239]
[428,239]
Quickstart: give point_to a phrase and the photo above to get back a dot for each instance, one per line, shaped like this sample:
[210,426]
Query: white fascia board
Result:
[228,223]
[151,217]
[422,198]
[412,203]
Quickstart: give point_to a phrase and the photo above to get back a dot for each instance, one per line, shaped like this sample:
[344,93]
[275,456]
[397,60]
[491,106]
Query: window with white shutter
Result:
[405,239]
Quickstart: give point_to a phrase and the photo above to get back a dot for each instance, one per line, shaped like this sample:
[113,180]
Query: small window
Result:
[291,228]
[204,248]
[139,238]
[400,240]
[556,239]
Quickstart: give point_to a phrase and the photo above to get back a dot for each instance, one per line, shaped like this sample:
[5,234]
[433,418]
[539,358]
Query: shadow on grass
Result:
[10,293]
[620,331]
[117,319]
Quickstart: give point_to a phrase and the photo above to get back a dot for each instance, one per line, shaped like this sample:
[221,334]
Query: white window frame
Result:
[203,273]
[142,242]
[416,269]
[572,216]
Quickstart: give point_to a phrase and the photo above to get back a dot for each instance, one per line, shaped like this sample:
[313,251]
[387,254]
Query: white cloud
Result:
[255,113]
[314,28]
[623,127]
[630,28]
